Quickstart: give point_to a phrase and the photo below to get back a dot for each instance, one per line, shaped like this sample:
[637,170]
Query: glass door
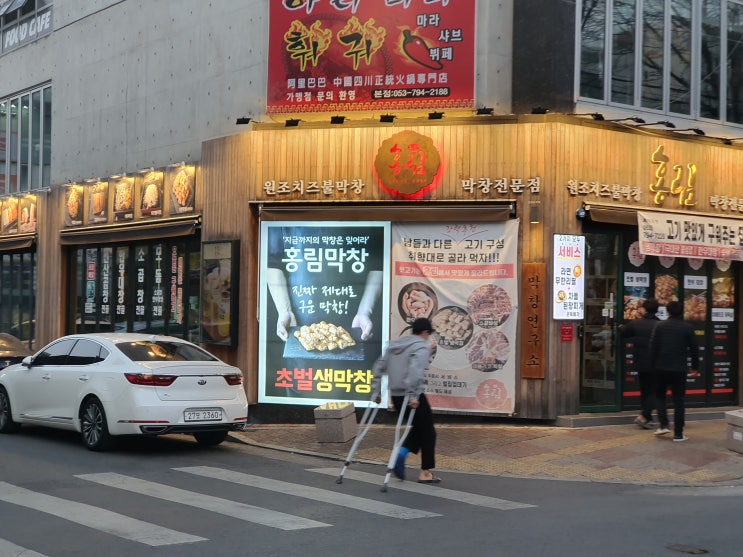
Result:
[599,380]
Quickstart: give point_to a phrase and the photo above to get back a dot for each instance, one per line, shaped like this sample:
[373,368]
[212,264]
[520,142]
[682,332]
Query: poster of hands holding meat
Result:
[463,277]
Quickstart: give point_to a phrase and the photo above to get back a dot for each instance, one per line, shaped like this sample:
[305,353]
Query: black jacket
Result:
[638,332]
[670,344]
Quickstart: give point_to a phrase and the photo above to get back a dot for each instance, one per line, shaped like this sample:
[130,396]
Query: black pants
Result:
[422,435]
[647,394]
[676,381]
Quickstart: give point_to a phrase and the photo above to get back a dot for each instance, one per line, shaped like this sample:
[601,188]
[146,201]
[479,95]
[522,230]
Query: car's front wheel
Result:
[7,425]
[93,426]
[210,438]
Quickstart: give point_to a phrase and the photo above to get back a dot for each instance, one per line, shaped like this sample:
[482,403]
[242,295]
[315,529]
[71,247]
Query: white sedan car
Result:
[109,384]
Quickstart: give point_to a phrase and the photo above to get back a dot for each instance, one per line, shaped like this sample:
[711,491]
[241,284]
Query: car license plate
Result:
[203,415]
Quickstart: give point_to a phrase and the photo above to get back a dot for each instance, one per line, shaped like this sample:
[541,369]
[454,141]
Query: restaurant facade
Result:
[354,201]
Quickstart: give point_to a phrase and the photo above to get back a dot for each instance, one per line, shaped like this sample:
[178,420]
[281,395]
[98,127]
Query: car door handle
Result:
[46,377]
[83,378]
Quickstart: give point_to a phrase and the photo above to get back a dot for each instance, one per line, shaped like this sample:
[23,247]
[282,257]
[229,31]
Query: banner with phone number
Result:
[463,277]
[327,56]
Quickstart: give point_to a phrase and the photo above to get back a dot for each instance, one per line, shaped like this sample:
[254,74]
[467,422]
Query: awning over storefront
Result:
[131,232]
[17,242]
[674,233]
[420,212]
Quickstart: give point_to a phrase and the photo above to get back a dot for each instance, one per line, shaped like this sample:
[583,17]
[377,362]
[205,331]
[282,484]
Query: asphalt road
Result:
[170,497]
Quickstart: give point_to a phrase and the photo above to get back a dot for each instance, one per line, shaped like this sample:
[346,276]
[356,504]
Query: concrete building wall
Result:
[139,83]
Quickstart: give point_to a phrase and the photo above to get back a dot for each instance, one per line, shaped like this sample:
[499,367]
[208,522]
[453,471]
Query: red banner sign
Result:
[342,55]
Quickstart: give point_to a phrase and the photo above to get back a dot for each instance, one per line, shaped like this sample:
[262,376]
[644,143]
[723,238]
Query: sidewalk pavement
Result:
[613,453]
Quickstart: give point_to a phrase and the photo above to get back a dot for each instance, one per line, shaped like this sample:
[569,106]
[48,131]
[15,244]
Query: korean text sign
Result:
[463,277]
[690,236]
[330,55]
[568,276]
[323,301]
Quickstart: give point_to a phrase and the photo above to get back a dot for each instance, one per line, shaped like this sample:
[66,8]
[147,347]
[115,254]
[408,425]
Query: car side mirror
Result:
[26,362]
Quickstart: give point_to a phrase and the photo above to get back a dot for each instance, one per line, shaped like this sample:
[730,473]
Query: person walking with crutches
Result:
[405,362]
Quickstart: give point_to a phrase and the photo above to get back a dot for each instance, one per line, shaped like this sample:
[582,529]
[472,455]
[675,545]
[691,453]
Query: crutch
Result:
[366,421]
[399,439]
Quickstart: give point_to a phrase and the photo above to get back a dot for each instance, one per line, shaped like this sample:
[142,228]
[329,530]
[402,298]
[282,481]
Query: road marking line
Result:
[431,490]
[241,511]
[308,492]
[7,548]
[95,517]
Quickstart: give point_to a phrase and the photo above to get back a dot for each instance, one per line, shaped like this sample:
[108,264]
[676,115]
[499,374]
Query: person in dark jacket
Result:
[405,361]
[671,343]
[638,332]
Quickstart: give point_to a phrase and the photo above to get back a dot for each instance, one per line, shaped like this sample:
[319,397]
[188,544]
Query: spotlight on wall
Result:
[635,119]
[730,140]
[483,111]
[595,115]
[539,110]
[337,119]
[695,130]
[243,120]
[292,123]
[387,118]
[665,123]
[435,115]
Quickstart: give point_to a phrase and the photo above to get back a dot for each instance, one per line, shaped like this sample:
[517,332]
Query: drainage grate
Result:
[687,549]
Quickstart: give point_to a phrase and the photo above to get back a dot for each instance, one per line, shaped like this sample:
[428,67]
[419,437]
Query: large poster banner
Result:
[463,277]
[322,288]
[327,55]
[690,236]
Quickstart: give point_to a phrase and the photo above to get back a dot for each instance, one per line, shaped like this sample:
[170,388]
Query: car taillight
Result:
[149,379]
[233,379]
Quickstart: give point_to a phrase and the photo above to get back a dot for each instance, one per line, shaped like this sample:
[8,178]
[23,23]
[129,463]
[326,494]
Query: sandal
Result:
[433,480]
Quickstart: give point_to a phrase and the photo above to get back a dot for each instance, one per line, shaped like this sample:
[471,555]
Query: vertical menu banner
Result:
[568,276]
[371,55]
[323,300]
[463,277]
[534,320]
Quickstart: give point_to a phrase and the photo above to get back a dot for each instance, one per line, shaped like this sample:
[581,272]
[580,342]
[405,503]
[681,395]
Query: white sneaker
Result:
[662,431]
[680,439]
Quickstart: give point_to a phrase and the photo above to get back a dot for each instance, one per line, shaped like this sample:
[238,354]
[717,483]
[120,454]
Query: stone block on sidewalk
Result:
[335,422]
[734,419]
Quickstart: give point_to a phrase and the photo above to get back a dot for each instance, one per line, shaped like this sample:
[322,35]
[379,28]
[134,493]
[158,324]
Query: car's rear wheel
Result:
[210,438]
[93,426]
[7,425]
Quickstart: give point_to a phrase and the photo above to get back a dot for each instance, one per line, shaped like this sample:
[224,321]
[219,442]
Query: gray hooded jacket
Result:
[405,361]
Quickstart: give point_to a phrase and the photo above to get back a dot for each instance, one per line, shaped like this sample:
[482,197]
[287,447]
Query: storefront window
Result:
[18,293]
[151,287]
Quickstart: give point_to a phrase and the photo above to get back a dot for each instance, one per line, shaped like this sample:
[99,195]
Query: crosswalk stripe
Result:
[308,492]
[433,491]
[234,509]
[94,517]
[7,548]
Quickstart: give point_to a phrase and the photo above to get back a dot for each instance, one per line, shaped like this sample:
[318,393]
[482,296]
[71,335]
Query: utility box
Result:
[734,419]
[335,422]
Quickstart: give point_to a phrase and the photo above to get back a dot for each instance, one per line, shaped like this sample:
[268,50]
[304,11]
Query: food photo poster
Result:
[323,310]
[463,277]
